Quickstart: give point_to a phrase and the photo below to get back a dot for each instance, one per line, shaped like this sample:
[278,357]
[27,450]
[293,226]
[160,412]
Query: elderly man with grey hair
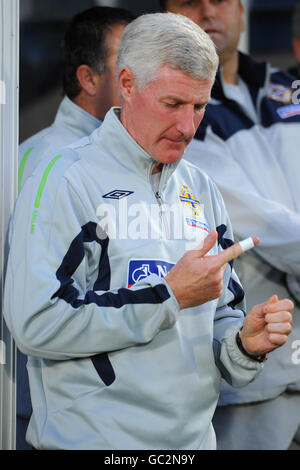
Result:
[128,306]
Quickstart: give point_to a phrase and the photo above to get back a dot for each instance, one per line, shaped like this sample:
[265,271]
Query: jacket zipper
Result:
[164,225]
[163,214]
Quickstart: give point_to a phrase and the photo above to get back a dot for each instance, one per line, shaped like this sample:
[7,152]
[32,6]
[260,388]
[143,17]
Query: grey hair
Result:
[157,39]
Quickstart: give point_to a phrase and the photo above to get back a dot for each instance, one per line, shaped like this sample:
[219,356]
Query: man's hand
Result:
[267,326]
[197,278]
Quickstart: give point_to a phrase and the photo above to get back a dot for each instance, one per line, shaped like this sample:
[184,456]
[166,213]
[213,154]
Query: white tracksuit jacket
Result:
[113,362]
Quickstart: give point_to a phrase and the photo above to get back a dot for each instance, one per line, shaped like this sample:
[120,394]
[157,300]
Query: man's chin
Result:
[171,157]
[170,153]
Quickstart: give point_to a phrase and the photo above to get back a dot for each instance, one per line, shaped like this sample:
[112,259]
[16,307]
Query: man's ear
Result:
[242,10]
[126,82]
[87,79]
[296,45]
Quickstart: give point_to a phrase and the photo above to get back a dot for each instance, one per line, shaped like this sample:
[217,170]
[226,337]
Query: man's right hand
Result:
[197,278]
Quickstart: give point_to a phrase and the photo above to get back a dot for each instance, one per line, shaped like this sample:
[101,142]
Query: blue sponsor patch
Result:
[139,269]
[289,111]
[197,223]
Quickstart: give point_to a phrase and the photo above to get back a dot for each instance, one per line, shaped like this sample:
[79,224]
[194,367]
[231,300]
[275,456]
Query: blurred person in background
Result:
[89,56]
[248,143]
[296,41]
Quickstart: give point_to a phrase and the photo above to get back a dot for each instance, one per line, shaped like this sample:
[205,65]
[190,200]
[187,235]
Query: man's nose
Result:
[186,123]
[207,11]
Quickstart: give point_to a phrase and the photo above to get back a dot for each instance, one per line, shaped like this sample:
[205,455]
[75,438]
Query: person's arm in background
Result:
[277,227]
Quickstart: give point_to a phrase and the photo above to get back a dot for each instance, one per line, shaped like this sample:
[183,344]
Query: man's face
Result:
[107,93]
[221,19]
[163,117]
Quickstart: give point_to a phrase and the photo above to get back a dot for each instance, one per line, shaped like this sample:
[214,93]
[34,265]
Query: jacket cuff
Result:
[236,355]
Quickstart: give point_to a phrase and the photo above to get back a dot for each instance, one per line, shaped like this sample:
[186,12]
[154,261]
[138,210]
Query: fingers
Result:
[278,339]
[273,299]
[283,328]
[227,255]
[278,319]
[207,244]
[277,306]
[271,306]
[233,252]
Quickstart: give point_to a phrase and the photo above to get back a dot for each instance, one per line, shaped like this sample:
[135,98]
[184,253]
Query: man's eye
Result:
[199,108]
[171,105]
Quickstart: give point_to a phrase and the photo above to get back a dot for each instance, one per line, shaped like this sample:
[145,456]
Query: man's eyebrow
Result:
[203,103]
[173,98]
[179,100]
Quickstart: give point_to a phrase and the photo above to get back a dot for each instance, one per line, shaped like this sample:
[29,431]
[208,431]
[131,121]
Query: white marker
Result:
[247,244]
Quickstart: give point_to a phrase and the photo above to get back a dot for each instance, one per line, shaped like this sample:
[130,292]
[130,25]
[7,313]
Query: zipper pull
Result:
[161,203]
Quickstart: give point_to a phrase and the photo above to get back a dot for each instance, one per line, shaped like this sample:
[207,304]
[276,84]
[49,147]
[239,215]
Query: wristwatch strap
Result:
[260,358]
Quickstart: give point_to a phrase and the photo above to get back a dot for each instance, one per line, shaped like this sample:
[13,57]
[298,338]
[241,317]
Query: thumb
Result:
[264,307]
[273,299]
[206,245]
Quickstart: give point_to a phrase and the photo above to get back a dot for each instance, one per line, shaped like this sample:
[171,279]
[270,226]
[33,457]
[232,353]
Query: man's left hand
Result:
[267,326]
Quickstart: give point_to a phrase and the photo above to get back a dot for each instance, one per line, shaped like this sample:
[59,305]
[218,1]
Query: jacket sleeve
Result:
[51,306]
[236,368]
[30,154]
[251,213]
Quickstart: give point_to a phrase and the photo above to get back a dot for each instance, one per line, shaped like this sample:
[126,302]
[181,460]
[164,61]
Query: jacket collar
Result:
[254,75]
[72,116]
[113,136]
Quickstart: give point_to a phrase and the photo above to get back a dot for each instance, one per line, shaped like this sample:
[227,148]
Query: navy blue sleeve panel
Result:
[71,262]
[234,286]
[222,241]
